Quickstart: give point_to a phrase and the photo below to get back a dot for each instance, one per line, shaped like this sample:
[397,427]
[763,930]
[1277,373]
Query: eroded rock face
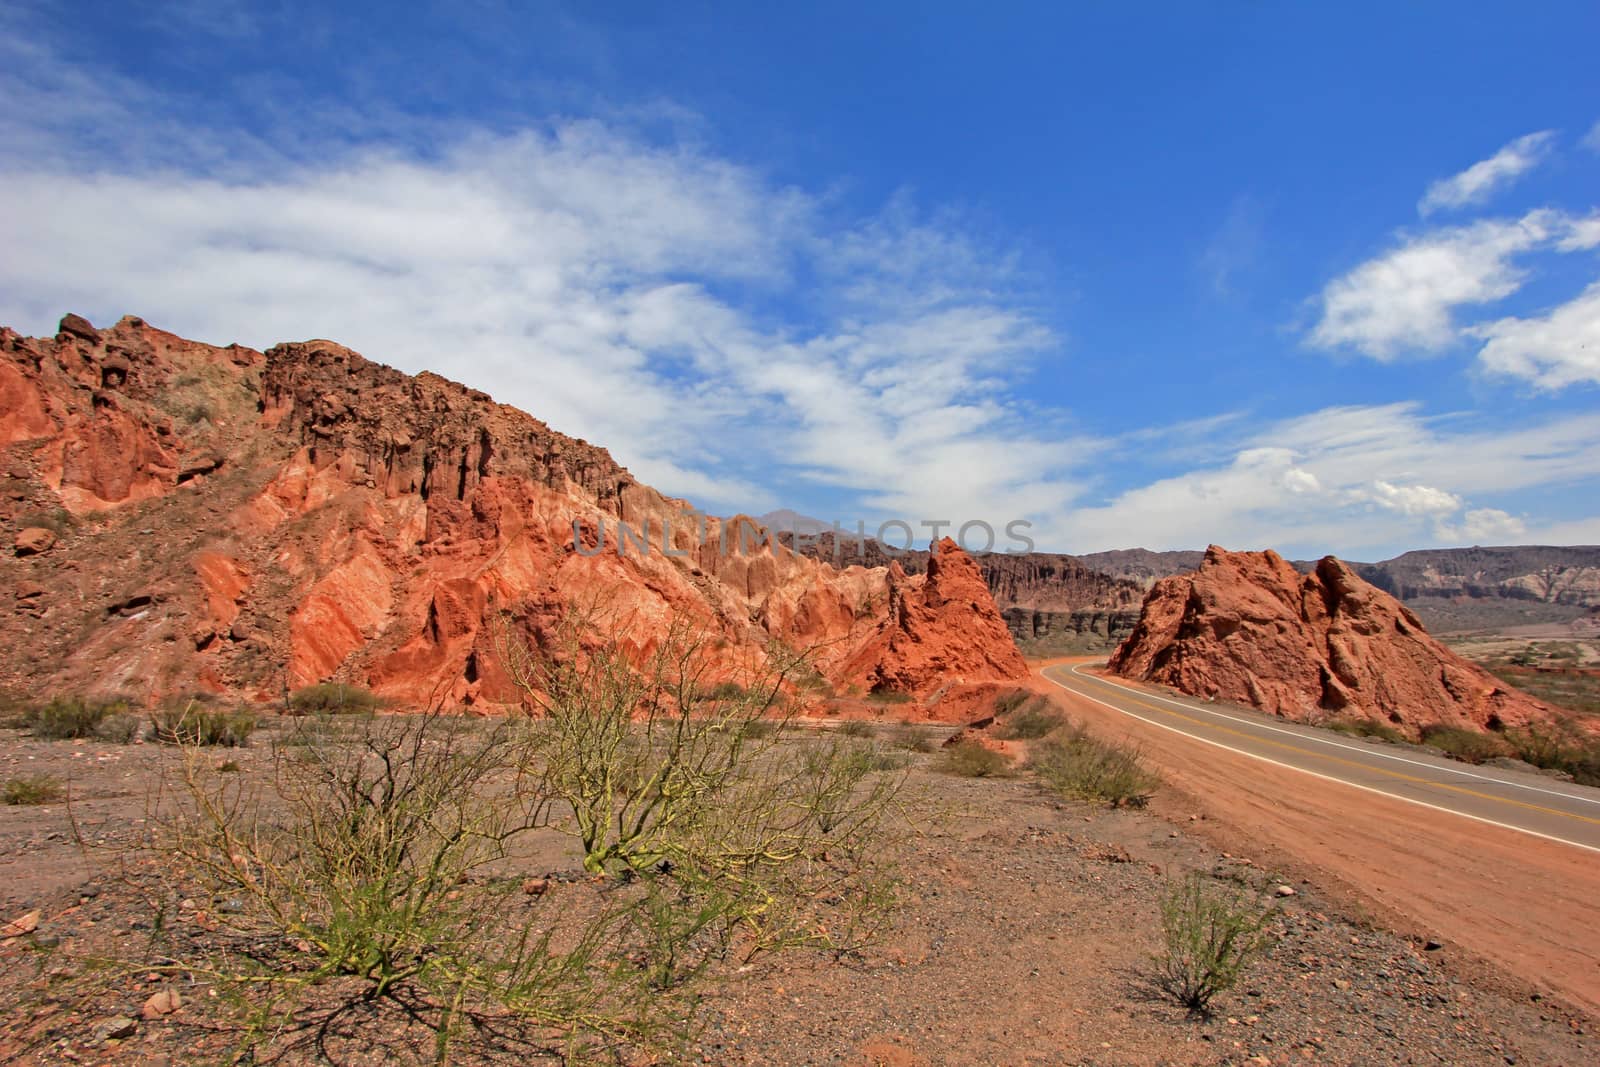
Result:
[1247,627]
[253,522]
[941,629]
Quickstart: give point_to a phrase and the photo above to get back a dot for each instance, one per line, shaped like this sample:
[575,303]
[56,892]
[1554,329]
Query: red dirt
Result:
[1525,905]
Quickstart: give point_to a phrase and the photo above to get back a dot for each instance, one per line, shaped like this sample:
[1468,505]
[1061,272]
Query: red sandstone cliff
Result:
[188,515]
[1247,627]
[941,628]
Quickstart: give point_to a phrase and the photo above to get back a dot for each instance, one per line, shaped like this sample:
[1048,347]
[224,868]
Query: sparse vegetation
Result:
[80,718]
[890,696]
[1469,746]
[363,874]
[1556,750]
[858,728]
[333,698]
[59,521]
[1211,933]
[666,787]
[1365,728]
[1031,719]
[32,789]
[913,738]
[1075,763]
[195,722]
[969,759]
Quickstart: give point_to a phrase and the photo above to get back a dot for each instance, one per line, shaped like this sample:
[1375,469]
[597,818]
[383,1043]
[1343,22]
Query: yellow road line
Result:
[1397,775]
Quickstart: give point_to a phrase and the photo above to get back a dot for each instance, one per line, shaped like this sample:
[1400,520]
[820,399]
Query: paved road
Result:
[1532,804]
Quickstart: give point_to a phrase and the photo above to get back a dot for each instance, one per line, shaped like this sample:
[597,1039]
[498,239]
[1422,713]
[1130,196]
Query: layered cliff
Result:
[184,514]
[1049,601]
[1248,627]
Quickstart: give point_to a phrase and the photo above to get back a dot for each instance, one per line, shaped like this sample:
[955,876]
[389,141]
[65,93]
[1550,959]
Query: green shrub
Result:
[858,728]
[913,738]
[333,698]
[969,759]
[193,723]
[1010,701]
[31,789]
[1468,746]
[1365,728]
[1556,750]
[1211,933]
[724,691]
[1033,719]
[890,696]
[79,718]
[1075,763]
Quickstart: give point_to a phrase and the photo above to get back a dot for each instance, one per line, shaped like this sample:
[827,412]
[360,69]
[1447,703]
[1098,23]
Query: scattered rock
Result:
[34,540]
[26,923]
[536,887]
[164,1002]
[1284,891]
[115,1028]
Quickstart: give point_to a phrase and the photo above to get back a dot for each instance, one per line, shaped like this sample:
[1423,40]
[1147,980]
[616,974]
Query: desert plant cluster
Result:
[381,870]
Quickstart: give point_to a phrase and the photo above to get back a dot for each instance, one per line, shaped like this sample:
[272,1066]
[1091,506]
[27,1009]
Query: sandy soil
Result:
[1024,937]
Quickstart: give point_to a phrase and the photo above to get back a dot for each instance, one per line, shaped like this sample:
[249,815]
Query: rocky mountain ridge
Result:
[188,515]
[1047,599]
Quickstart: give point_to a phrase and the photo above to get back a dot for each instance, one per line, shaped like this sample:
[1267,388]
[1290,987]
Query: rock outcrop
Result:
[1051,602]
[251,522]
[1248,627]
[940,629]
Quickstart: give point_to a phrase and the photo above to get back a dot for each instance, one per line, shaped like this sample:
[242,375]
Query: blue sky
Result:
[1160,275]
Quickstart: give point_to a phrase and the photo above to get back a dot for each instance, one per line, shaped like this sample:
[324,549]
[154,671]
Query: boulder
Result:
[1247,627]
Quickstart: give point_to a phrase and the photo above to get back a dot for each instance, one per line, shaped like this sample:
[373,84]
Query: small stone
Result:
[1432,946]
[165,1002]
[25,923]
[1284,891]
[115,1028]
[34,540]
[536,887]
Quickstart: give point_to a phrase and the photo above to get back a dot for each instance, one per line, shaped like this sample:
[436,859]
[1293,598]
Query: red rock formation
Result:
[941,629]
[1247,627]
[260,521]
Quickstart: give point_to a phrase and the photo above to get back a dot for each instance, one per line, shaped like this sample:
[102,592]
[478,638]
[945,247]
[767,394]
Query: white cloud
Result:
[1552,351]
[1484,526]
[1581,234]
[1483,179]
[1404,299]
[1358,480]
[1591,140]
[1410,500]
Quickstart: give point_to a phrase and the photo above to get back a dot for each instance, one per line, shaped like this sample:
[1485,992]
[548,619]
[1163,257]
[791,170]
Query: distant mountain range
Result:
[1059,602]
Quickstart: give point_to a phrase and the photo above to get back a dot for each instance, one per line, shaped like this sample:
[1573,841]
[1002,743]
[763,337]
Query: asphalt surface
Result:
[1530,803]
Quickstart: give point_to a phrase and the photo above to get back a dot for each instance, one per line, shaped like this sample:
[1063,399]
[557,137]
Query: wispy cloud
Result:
[1404,300]
[1347,478]
[1484,179]
[1550,351]
[726,336]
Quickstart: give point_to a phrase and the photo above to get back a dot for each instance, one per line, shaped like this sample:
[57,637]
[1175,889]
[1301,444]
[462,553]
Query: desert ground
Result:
[1024,933]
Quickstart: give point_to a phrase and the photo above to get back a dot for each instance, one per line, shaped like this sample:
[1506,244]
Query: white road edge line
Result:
[1318,774]
[1365,750]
